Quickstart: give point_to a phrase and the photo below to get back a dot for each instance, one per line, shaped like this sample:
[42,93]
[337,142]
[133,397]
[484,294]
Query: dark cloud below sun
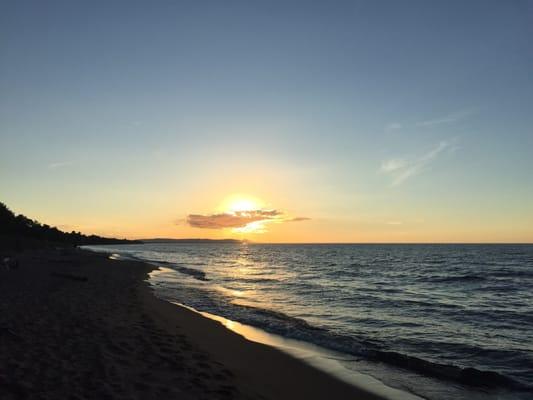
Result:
[237,219]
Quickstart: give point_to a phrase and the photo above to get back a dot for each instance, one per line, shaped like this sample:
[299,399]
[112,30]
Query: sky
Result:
[289,121]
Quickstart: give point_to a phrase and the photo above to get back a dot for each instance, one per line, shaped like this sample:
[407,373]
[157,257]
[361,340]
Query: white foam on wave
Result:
[318,357]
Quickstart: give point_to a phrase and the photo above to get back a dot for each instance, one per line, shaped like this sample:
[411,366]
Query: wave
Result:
[512,274]
[465,376]
[259,280]
[455,278]
[372,350]
[195,273]
[288,321]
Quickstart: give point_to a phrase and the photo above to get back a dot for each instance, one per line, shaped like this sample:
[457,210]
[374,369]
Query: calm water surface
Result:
[436,320]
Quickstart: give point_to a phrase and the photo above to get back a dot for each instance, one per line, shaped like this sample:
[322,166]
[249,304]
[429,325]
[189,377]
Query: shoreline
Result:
[240,296]
[317,357]
[75,324]
[311,355]
[288,376]
[406,377]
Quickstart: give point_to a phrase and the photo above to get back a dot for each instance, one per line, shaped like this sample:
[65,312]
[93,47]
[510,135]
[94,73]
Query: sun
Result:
[243,205]
[240,203]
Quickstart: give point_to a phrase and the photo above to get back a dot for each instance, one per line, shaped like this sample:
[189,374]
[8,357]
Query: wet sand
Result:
[76,325]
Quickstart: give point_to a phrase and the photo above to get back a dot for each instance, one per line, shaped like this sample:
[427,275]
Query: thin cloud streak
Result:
[402,169]
[298,219]
[449,119]
[393,126]
[57,165]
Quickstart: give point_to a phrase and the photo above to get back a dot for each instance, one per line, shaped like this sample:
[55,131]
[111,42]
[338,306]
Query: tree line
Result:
[21,227]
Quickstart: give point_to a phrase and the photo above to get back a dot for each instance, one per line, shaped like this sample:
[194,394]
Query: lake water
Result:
[440,321]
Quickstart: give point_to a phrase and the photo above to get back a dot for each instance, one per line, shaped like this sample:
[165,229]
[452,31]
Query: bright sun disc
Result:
[239,203]
[243,205]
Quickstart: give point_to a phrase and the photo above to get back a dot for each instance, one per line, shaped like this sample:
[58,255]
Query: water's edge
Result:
[386,372]
[320,358]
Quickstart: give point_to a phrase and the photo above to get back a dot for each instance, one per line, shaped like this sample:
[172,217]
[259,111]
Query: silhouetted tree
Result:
[21,226]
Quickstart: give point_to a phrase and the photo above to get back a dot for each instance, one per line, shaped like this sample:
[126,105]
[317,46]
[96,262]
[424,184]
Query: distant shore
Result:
[75,324]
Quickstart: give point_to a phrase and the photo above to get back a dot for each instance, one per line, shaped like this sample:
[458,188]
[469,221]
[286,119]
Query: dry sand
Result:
[76,325]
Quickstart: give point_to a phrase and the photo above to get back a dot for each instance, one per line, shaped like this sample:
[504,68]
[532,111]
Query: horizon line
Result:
[260,242]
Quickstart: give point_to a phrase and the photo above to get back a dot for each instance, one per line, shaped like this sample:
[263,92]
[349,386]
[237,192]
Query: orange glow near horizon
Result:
[302,219]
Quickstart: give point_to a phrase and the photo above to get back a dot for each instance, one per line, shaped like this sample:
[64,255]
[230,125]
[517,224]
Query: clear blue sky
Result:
[378,120]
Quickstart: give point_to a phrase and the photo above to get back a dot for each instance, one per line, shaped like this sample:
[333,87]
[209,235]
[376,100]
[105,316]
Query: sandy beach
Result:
[76,325]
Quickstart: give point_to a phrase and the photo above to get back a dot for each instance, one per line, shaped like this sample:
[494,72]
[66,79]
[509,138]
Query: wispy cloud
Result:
[447,119]
[239,219]
[429,123]
[401,169]
[298,219]
[393,126]
[393,165]
[61,164]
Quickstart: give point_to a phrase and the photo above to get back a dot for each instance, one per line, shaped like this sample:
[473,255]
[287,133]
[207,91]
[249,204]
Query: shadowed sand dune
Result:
[75,325]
